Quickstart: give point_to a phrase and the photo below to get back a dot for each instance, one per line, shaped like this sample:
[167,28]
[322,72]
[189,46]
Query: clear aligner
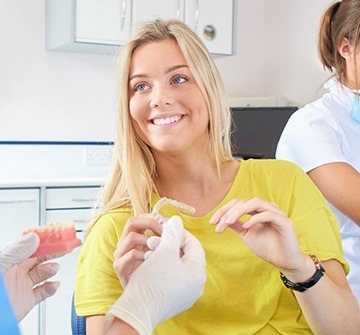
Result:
[184,208]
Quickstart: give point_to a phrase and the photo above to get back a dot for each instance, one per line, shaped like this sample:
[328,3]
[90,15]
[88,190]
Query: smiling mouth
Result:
[167,120]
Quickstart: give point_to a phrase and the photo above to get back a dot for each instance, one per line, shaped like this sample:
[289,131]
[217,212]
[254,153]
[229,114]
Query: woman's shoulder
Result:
[266,166]
[110,221]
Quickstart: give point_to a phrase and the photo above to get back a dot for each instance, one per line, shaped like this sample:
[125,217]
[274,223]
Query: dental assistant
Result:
[324,136]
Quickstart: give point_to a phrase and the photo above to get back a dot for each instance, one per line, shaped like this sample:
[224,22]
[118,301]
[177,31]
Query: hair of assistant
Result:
[131,177]
[341,20]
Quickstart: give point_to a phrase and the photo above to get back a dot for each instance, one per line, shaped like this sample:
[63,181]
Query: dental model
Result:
[186,209]
[55,238]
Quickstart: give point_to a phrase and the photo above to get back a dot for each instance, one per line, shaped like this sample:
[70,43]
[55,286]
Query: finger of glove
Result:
[44,291]
[153,242]
[172,236]
[19,251]
[43,272]
[194,255]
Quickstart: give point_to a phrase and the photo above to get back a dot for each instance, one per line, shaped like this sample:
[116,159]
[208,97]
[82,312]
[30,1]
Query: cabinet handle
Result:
[196,14]
[6,202]
[80,221]
[123,15]
[82,200]
[178,10]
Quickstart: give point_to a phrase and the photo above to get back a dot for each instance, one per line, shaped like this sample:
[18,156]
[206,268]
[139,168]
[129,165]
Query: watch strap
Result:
[302,287]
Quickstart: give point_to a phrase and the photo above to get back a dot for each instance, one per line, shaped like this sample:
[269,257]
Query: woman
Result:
[173,141]
[324,136]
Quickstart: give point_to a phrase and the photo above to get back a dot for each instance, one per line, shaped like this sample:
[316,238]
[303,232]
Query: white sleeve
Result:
[311,138]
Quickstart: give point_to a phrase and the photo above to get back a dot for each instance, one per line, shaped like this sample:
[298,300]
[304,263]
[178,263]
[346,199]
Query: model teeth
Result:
[166,121]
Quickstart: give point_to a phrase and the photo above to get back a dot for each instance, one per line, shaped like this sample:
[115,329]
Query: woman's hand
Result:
[131,248]
[268,232]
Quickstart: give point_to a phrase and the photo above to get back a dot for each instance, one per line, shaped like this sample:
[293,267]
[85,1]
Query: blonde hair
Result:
[131,178]
[341,20]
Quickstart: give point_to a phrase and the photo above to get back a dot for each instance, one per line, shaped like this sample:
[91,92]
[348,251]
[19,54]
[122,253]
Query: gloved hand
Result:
[165,284]
[22,274]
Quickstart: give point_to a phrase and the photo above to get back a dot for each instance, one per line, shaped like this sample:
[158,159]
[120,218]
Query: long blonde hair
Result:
[131,179]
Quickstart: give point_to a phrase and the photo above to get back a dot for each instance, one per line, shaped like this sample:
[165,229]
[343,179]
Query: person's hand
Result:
[266,230]
[23,274]
[132,245]
[164,284]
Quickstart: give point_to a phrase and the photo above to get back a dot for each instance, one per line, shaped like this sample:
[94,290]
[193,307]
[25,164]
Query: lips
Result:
[163,121]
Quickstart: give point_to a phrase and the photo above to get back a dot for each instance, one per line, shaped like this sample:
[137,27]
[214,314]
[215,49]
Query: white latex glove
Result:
[165,284]
[22,274]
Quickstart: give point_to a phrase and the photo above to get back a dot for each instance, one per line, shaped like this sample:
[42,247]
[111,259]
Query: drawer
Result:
[71,197]
[80,217]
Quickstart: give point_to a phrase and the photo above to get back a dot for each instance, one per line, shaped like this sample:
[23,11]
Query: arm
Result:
[340,185]
[329,306]
[120,327]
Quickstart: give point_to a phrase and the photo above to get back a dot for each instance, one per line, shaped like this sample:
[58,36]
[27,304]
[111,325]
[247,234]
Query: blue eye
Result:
[179,80]
[141,87]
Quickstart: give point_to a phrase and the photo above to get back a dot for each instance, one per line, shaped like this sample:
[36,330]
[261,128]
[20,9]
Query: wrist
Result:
[303,272]
[305,285]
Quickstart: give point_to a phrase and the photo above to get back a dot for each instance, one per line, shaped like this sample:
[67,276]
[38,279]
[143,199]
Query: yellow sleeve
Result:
[316,226]
[97,285]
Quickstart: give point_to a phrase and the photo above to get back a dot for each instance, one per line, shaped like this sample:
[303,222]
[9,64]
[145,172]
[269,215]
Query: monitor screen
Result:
[256,130]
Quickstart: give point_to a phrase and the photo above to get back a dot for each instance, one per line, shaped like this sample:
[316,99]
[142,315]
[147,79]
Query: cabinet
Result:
[20,209]
[66,204]
[101,25]
[87,25]
[212,20]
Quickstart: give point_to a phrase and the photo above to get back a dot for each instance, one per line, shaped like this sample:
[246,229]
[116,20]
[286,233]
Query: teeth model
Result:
[55,238]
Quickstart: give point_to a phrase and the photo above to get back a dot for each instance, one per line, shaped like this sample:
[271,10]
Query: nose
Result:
[161,97]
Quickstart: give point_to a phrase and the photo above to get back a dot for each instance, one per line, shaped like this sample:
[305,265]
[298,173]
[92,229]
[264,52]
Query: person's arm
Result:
[329,306]
[119,327]
[340,185]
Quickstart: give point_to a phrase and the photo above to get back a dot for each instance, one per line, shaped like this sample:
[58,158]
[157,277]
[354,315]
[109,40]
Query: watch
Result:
[301,287]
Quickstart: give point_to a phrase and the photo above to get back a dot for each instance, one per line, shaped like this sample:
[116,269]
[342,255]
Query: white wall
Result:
[68,96]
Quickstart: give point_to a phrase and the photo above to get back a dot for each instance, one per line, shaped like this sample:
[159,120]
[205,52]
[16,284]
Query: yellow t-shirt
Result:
[243,293]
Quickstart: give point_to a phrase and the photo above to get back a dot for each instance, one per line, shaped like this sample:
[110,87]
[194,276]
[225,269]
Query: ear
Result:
[346,49]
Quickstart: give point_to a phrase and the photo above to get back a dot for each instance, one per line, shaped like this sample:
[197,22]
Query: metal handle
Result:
[196,14]
[123,15]
[82,200]
[209,32]
[178,10]
[7,202]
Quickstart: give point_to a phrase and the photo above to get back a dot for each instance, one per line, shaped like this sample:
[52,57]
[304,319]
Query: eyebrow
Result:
[168,70]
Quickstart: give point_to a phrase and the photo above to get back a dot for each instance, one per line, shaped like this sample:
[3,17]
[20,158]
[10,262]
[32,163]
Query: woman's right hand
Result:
[131,247]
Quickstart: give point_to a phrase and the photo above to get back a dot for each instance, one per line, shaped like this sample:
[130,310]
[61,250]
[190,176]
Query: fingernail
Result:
[218,229]
[230,219]
[213,220]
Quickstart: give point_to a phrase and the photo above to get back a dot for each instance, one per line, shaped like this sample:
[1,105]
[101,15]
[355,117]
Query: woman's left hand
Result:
[268,232]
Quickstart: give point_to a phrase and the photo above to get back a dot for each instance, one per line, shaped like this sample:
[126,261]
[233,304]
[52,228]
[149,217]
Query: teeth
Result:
[166,121]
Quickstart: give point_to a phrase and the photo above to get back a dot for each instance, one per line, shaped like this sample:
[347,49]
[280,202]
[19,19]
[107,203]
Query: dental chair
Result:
[78,323]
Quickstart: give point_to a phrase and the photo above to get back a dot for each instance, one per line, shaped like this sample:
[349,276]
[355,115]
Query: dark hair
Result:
[340,20]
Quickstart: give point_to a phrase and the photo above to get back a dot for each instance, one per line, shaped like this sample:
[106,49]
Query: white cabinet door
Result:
[97,26]
[102,21]
[144,10]
[212,20]
[66,204]
[19,209]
